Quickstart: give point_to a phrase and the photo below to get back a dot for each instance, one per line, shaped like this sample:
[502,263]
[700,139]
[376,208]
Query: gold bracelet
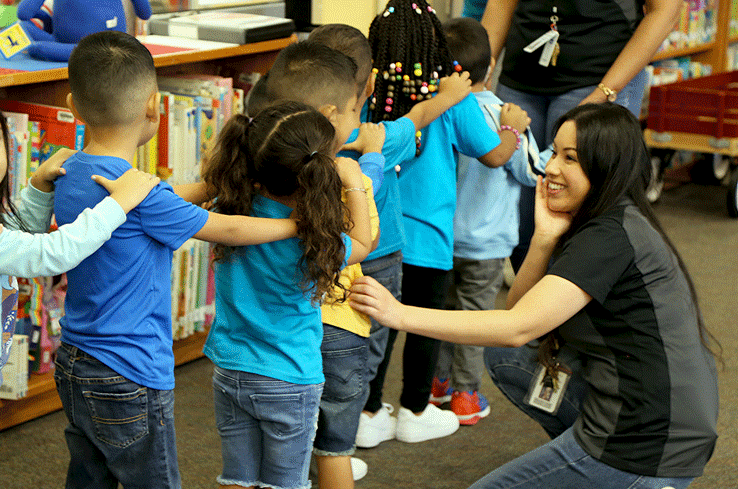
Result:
[355,189]
[609,92]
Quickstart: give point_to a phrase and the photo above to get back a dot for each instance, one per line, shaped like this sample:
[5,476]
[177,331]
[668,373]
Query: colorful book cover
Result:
[57,126]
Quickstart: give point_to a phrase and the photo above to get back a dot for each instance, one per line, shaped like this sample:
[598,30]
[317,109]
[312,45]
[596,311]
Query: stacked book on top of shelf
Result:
[222,26]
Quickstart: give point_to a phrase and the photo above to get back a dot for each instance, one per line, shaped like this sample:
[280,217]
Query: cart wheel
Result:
[733,194]
[656,185]
[720,166]
[709,169]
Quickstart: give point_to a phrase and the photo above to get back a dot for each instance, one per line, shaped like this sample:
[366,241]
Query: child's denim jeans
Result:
[119,431]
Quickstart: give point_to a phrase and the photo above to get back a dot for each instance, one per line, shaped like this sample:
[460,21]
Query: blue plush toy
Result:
[70,21]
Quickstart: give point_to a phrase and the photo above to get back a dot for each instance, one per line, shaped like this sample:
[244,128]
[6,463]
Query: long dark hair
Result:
[287,149]
[615,159]
[406,32]
[8,211]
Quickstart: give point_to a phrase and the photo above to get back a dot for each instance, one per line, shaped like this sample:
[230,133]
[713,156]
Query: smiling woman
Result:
[606,283]
[566,183]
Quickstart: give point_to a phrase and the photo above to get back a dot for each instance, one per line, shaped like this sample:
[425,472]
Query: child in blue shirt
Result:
[410,56]
[485,223]
[115,366]
[25,248]
[265,341]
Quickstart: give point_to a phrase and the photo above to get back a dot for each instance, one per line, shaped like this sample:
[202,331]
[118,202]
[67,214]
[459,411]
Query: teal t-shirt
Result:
[264,322]
[428,182]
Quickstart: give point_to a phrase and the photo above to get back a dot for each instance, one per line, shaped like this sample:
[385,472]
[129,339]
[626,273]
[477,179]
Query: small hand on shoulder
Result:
[456,86]
[48,171]
[370,139]
[130,188]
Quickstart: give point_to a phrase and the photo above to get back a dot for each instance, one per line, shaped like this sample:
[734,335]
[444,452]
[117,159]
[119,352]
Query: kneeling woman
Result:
[601,276]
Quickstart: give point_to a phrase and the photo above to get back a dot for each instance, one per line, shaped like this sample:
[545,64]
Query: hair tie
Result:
[313,154]
[251,121]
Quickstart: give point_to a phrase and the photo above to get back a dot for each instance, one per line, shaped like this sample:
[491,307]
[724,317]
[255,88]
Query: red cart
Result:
[701,116]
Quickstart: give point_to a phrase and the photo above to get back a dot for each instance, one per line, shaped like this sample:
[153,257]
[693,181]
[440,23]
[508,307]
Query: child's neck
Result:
[120,142]
[478,87]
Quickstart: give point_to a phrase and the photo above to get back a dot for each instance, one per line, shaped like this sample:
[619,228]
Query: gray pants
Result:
[475,287]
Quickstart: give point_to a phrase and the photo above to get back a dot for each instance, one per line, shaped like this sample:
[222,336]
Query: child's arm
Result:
[369,143]
[195,193]
[513,122]
[356,200]
[452,89]
[33,255]
[245,230]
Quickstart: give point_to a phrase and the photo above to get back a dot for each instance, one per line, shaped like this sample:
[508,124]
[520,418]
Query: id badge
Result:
[546,393]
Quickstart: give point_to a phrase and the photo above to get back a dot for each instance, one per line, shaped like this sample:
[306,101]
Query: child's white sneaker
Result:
[373,430]
[433,423]
[359,468]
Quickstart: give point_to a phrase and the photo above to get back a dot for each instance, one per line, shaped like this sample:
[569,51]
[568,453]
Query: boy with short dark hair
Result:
[115,366]
[398,145]
[485,222]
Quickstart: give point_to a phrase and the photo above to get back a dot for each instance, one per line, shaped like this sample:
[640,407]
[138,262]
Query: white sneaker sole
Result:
[481,414]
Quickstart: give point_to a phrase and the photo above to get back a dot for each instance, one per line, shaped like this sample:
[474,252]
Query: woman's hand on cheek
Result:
[549,224]
[370,297]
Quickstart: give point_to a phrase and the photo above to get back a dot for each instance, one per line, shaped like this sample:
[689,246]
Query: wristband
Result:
[355,189]
[514,131]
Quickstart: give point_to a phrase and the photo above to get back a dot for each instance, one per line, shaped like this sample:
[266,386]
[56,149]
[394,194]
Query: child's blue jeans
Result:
[119,431]
[344,393]
[267,428]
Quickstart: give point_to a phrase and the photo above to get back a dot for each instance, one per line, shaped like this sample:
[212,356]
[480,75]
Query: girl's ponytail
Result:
[287,151]
[228,172]
[322,220]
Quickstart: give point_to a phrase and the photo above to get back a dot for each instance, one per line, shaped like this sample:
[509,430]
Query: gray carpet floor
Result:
[34,454]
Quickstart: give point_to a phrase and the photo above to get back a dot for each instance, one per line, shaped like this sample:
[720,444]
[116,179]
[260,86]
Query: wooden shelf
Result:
[688,51]
[51,87]
[42,397]
[29,77]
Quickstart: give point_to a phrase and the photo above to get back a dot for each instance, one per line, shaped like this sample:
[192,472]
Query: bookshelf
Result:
[714,51]
[51,87]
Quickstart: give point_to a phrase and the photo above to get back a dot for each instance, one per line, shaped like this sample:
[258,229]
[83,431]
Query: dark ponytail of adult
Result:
[227,173]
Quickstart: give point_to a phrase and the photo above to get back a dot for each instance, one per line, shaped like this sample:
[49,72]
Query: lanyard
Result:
[549,41]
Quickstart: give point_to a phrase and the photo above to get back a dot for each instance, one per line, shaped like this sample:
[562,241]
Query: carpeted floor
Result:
[34,455]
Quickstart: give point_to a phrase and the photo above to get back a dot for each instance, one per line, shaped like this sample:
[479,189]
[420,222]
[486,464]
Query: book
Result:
[57,126]
[164,136]
[231,27]
[15,371]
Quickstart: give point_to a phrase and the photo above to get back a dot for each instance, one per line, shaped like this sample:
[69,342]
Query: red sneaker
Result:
[469,407]
[440,391]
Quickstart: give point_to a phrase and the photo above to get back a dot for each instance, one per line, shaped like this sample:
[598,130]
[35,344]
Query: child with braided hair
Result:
[410,57]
